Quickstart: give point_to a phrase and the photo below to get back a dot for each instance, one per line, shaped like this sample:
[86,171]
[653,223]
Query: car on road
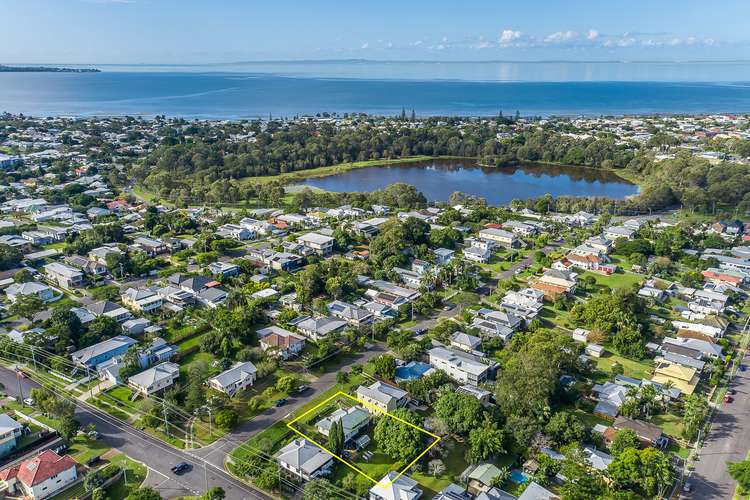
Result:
[687,487]
[181,468]
[448,307]
[728,398]
[742,368]
[731,391]
[94,435]
[29,402]
[280,402]
[420,331]
[302,389]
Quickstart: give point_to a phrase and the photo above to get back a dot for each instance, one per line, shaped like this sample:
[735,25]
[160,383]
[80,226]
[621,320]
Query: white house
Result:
[458,366]
[155,379]
[304,459]
[500,236]
[65,276]
[17,290]
[395,487]
[236,379]
[353,420]
[320,244]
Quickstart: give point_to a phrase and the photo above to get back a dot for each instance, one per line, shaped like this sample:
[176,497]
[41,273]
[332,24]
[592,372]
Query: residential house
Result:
[320,244]
[382,396]
[707,349]
[459,366]
[610,397]
[725,276]
[40,477]
[535,491]
[234,380]
[615,232]
[480,478]
[304,459]
[353,420]
[648,433]
[99,254]
[526,303]
[682,377]
[320,328]
[282,343]
[224,269]
[520,228]
[42,291]
[142,299]
[443,256]
[355,316]
[65,276]
[499,236]
[155,379]
[477,254]
[235,232]
[109,309]
[395,487]
[135,326]
[150,246]
[554,283]
[10,431]
[465,342]
[94,355]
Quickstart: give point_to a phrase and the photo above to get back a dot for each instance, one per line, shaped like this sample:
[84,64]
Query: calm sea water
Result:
[474,89]
[438,179]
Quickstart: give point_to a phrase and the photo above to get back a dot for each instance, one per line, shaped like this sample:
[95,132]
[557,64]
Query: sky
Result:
[224,31]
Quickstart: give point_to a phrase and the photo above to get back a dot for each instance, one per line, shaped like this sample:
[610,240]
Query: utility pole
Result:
[20,387]
[33,358]
[166,420]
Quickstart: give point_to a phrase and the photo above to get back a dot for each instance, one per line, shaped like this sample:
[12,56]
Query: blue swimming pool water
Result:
[519,477]
[411,371]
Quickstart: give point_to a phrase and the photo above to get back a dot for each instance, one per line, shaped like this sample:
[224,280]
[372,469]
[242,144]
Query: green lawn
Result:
[670,423]
[84,448]
[135,472]
[632,368]
[616,280]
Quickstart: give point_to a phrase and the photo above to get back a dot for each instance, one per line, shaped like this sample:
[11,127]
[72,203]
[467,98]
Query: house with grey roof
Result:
[94,355]
[155,379]
[459,366]
[355,316]
[109,309]
[395,487]
[304,459]
[40,290]
[63,275]
[234,380]
[320,328]
[353,420]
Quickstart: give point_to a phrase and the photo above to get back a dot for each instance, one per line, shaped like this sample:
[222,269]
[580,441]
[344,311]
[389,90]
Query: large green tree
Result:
[397,439]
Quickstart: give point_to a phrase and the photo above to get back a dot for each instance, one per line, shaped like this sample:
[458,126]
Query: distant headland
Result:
[45,69]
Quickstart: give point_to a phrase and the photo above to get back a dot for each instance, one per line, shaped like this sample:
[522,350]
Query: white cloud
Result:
[560,37]
[365,46]
[592,35]
[509,36]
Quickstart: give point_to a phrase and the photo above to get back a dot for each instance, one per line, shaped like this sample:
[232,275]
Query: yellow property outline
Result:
[354,467]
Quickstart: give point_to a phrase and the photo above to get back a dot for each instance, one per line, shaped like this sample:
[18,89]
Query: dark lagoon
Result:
[437,179]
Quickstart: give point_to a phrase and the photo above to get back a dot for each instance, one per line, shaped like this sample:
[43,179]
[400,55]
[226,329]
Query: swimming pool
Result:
[411,371]
[519,476]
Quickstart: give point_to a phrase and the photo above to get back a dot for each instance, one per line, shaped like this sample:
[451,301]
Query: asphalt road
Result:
[158,456]
[728,440]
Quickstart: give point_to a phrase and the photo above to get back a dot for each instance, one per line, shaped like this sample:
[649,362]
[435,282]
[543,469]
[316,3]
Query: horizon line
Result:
[393,61]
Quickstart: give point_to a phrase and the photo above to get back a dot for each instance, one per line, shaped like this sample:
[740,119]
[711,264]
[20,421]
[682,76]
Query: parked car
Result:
[280,402]
[29,402]
[687,487]
[731,391]
[742,368]
[728,398]
[302,389]
[94,435]
[181,468]
[93,461]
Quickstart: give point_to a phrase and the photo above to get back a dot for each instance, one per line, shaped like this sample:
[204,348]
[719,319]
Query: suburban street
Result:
[728,440]
[156,455]
[216,452]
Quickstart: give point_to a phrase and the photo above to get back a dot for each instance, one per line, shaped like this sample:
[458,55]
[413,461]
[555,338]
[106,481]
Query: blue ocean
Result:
[253,90]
